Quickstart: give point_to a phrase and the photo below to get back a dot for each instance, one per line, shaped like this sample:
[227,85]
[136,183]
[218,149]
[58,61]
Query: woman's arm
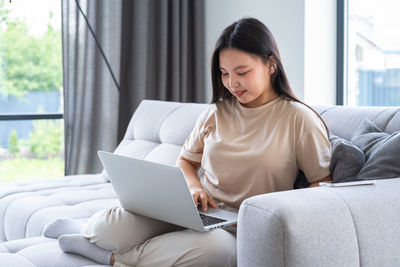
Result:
[190,169]
[327,178]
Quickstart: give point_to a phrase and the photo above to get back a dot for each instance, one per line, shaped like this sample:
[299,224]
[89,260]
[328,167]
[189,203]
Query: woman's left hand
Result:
[326,179]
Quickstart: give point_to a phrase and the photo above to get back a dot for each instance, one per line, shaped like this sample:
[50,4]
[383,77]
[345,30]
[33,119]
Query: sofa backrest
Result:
[343,121]
[158,129]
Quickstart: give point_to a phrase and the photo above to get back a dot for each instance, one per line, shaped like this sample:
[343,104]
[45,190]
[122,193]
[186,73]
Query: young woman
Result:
[253,139]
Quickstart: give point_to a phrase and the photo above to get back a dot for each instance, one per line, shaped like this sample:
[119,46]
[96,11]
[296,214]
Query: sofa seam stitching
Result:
[35,193]
[352,218]
[280,221]
[158,132]
[23,256]
[166,116]
[35,211]
[38,192]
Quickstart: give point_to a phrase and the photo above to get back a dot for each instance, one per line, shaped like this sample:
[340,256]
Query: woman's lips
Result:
[239,93]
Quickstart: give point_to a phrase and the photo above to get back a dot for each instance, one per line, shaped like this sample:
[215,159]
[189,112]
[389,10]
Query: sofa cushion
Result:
[158,130]
[35,251]
[346,161]
[49,254]
[27,206]
[381,151]
[15,260]
[14,246]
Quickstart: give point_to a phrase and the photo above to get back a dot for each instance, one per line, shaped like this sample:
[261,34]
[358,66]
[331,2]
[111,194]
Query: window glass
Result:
[30,83]
[373,53]
[32,153]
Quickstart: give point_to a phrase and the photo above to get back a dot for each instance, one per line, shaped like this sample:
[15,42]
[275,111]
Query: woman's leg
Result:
[119,230]
[113,229]
[183,248]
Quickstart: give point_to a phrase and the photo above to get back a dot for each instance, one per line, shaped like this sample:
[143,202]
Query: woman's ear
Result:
[271,69]
[272,64]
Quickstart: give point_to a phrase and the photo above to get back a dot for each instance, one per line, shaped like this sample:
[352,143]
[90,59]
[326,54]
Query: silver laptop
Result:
[160,191]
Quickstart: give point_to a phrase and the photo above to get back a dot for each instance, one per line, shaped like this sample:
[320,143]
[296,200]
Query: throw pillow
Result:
[346,160]
[381,150]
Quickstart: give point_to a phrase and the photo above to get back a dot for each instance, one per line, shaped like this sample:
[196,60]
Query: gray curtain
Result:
[155,49]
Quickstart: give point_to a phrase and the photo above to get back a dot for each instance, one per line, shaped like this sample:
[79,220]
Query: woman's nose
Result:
[233,83]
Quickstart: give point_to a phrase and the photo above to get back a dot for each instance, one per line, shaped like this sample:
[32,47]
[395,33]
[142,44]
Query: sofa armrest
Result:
[306,227]
[347,226]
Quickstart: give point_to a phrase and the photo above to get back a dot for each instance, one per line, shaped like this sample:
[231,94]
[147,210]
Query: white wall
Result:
[286,20]
[320,52]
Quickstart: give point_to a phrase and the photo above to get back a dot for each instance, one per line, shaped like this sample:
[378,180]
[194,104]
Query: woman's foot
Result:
[77,244]
[62,226]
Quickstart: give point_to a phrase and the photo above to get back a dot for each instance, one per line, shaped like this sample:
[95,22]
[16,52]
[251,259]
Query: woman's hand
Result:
[201,196]
[326,179]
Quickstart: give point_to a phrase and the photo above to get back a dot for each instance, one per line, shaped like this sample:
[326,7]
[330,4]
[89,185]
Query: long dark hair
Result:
[252,36]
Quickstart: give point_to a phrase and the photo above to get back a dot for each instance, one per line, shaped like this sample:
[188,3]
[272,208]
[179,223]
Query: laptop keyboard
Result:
[209,220]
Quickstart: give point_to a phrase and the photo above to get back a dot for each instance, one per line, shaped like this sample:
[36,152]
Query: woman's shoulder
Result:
[211,108]
[302,115]
[299,109]
[207,113]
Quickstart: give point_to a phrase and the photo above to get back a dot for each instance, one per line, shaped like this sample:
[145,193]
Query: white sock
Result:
[62,226]
[77,244]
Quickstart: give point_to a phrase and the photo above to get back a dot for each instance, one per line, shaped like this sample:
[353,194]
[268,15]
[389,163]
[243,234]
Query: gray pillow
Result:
[346,160]
[381,150]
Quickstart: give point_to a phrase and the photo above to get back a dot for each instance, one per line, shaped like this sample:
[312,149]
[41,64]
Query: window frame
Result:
[31,116]
[341,52]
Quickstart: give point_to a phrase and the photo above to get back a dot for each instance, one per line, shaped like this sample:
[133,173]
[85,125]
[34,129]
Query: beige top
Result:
[250,151]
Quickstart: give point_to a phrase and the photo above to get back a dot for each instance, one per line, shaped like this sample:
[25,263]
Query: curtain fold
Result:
[155,49]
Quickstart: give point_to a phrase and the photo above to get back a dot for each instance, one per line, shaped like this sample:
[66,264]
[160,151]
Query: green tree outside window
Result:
[27,62]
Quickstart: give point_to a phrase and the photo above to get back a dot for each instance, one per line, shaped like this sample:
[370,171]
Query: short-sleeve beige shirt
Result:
[250,151]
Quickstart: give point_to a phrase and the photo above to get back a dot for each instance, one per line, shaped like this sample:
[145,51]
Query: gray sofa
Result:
[348,226]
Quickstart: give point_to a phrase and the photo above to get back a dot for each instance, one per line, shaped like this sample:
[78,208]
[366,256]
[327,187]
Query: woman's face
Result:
[246,76]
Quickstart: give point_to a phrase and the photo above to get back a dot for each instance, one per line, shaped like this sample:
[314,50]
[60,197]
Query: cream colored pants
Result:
[141,241]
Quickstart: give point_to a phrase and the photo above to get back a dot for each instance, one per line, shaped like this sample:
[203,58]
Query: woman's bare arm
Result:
[190,169]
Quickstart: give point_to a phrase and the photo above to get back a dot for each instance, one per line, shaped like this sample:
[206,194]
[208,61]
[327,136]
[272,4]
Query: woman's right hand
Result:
[201,197]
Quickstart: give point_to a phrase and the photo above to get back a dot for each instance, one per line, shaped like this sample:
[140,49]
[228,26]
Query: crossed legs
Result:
[134,240]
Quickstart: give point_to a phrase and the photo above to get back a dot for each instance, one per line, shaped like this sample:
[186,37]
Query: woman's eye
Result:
[242,73]
[225,74]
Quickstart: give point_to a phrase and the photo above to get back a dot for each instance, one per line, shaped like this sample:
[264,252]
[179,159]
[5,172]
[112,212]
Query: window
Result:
[31,125]
[373,53]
